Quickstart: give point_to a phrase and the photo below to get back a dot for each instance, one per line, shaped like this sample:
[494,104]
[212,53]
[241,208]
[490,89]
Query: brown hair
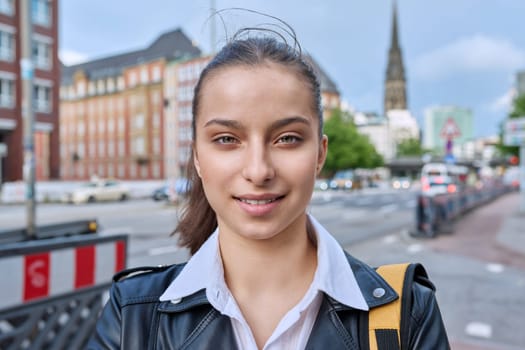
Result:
[198,219]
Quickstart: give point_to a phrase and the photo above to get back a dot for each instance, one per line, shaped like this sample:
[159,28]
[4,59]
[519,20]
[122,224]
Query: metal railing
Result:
[436,214]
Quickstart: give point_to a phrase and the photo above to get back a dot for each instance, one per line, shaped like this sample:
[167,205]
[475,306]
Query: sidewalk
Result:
[478,269]
[494,232]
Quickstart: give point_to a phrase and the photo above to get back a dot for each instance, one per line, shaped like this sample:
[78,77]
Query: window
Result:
[7,93]
[111,125]
[139,121]
[41,12]
[81,129]
[111,148]
[156,74]
[7,7]
[139,146]
[111,85]
[42,54]
[101,126]
[101,88]
[7,44]
[144,75]
[42,98]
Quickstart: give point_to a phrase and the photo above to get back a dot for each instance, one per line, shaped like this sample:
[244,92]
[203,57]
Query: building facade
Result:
[130,116]
[444,122]
[46,83]
[112,112]
[181,78]
[520,83]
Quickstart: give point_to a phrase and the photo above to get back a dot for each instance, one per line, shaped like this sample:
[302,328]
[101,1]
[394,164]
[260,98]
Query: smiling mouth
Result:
[259,201]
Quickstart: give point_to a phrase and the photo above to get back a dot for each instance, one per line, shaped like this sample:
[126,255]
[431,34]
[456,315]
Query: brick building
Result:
[112,112]
[45,90]
[129,116]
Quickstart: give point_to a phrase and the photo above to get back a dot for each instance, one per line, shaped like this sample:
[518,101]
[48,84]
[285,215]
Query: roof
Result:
[327,84]
[170,45]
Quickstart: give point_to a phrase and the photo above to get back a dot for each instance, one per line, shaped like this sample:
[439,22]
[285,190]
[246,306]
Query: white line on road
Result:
[479,329]
[388,208]
[495,268]
[163,250]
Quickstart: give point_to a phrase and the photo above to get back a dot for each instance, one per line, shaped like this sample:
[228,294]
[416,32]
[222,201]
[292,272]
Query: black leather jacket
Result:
[134,318]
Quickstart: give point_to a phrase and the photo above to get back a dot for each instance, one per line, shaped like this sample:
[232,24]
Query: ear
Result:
[323,149]
[196,162]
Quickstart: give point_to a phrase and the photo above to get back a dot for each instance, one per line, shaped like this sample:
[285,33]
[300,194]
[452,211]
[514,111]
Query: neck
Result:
[287,260]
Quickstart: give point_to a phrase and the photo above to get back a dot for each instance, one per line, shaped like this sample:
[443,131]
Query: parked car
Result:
[345,180]
[321,184]
[95,191]
[161,193]
[401,183]
[172,190]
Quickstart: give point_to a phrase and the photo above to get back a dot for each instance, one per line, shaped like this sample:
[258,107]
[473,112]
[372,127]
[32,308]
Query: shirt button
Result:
[176,301]
[378,292]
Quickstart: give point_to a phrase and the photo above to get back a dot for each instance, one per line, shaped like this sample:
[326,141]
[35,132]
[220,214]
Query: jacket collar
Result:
[373,287]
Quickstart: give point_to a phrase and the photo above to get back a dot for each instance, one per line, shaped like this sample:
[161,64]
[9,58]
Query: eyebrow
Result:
[275,125]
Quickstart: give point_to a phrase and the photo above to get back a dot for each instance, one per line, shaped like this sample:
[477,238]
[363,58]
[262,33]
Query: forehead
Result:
[259,88]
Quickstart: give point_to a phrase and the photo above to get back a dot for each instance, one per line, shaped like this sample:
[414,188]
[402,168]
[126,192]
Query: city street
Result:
[481,284]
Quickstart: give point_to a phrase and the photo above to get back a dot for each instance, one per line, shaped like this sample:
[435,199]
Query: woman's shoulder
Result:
[145,283]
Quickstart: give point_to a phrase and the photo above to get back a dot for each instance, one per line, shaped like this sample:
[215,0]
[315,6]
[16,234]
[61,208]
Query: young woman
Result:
[263,273]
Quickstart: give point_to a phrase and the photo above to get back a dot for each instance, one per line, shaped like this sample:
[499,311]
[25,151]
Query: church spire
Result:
[395,82]
[394,42]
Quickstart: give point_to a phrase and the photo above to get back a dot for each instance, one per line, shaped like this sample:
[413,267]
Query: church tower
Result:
[395,82]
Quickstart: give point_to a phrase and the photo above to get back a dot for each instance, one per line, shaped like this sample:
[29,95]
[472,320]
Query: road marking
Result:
[390,239]
[479,329]
[415,248]
[495,268]
[388,208]
[163,250]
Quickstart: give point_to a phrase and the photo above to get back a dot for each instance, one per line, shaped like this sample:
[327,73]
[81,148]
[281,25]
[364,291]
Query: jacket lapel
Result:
[328,331]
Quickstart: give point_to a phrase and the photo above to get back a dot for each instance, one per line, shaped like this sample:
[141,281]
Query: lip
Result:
[271,202]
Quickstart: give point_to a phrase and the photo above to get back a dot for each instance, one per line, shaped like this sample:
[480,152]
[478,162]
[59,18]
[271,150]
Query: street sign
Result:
[514,134]
[450,130]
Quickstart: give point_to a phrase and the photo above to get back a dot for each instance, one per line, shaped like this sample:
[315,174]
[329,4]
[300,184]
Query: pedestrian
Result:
[263,273]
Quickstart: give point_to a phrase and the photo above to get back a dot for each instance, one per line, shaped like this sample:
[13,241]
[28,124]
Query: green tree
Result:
[410,147]
[518,110]
[347,148]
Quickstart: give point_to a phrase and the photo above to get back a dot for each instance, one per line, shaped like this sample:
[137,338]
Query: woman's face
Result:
[257,149]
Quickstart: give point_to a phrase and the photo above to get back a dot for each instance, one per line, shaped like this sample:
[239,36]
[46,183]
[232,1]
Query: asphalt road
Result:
[482,302]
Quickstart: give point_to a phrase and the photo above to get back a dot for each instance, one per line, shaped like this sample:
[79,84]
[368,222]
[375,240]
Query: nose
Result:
[258,166]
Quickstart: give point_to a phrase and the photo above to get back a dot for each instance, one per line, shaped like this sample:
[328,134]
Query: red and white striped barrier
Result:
[46,274]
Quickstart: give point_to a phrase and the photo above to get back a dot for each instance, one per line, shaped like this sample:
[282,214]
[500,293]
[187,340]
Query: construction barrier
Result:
[437,213]
[54,288]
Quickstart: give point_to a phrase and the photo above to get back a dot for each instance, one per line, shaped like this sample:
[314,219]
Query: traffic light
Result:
[514,160]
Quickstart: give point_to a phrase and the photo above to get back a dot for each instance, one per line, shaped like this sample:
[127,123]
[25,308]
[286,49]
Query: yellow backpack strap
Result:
[384,322]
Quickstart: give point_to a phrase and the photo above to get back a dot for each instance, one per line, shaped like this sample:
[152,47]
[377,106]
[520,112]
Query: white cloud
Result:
[503,103]
[478,53]
[69,57]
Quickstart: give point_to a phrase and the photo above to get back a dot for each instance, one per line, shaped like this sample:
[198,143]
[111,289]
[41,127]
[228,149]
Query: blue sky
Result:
[456,52]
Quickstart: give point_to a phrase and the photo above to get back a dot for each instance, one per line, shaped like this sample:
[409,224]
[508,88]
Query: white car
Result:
[95,191]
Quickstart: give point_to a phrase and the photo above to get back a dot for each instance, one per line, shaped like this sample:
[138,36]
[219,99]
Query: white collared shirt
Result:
[333,277]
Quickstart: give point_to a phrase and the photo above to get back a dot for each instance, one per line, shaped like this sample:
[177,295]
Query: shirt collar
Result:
[333,276]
